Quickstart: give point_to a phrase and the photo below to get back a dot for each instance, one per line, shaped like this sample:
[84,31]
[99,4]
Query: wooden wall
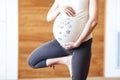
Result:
[34,31]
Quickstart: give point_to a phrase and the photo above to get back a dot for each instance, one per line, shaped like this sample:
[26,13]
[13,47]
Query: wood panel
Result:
[34,31]
[91,78]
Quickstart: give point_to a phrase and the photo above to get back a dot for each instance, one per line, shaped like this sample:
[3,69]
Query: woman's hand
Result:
[67,10]
[70,45]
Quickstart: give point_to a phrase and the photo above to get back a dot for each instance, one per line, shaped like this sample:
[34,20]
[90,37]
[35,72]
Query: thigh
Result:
[50,49]
[81,61]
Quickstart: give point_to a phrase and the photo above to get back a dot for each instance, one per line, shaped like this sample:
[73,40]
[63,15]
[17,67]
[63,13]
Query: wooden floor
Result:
[91,78]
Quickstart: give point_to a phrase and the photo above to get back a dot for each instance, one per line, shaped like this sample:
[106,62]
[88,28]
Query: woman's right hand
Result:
[68,11]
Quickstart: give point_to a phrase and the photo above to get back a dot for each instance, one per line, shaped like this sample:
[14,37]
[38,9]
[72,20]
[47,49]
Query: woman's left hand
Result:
[70,45]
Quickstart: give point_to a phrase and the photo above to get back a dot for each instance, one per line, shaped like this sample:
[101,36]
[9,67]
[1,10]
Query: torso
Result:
[68,29]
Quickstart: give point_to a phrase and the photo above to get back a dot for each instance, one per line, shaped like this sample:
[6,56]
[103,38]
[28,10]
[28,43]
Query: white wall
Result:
[8,39]
[111,38]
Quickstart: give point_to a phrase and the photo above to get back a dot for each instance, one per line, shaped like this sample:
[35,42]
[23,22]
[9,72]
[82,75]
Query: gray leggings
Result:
[52,49]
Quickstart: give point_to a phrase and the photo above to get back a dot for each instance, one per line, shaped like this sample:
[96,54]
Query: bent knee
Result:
[31,64]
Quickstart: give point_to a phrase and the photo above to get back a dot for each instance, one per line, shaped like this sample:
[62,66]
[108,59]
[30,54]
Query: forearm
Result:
[92,22]
[87,31]
[53,14]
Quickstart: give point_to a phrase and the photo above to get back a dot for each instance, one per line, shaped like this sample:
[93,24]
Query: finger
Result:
[69,12]
[72,10]
[66,44]
[69,47]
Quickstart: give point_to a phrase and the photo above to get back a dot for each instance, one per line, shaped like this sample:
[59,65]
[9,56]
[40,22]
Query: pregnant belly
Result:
[67,29]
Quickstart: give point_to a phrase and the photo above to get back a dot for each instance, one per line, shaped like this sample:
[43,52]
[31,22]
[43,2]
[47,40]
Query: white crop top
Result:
[68,29]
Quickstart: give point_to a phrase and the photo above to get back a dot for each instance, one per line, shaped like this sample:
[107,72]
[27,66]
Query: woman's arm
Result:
[90,25]
[53,12]
[92,22]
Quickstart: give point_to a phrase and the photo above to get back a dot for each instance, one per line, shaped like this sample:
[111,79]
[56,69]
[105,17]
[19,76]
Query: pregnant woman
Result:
[72,28]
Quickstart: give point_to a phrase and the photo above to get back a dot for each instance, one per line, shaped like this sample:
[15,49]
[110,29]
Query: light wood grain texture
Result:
[91,78]
[34,31]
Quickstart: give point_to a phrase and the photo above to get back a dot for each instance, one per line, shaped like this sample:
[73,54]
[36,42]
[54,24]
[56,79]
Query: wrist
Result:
[77,43]
[60,10]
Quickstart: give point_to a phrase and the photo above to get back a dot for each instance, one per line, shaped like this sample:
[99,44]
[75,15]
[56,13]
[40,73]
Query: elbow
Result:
[48,19]
[94,22]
